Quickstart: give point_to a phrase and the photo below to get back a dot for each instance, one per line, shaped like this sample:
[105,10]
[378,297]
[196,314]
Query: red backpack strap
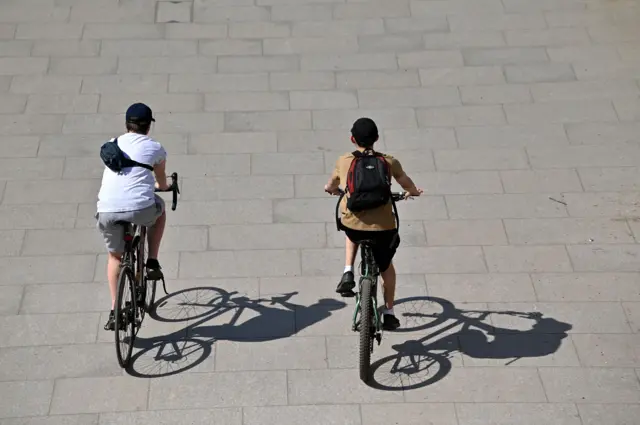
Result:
[350,174]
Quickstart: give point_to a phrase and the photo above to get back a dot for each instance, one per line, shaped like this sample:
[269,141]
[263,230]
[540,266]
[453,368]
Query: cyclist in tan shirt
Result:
[378,224]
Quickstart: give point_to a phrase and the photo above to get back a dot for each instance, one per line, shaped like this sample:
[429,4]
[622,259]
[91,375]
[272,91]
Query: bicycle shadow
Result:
[211,315]
[426,360]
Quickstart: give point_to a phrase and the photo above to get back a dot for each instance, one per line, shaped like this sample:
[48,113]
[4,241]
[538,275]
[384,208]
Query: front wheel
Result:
[366,329]
[125,316]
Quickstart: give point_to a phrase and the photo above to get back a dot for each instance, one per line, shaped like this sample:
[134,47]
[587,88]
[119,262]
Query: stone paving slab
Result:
[311,414]
[504,413]
[58,361]
[98,394]
[518,288]
[231,416]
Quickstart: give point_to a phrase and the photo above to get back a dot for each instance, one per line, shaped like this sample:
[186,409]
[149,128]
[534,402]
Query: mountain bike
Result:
[366,317]
[136,294]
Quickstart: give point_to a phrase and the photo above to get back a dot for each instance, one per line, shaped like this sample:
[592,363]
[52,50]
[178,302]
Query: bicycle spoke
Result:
[418,313]
[170,357]
[190,304]
[409,371]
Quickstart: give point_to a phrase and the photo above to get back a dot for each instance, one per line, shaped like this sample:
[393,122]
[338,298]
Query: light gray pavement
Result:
[519,118]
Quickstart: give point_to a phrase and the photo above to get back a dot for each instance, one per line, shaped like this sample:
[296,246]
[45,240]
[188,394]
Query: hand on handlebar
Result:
[397,196]
[416,192]
[331,190]
[173,187]
[166,188]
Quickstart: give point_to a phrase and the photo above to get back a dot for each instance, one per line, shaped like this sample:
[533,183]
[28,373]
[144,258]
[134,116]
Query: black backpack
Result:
[368,181]
[116,160]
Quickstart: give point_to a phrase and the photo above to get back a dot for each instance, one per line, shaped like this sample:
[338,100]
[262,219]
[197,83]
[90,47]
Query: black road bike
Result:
[135,292]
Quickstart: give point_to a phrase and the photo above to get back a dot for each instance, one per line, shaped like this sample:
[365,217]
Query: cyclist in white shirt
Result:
[129,196]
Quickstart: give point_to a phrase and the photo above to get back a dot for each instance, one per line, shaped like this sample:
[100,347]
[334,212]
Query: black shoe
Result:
[346,285]
[111,322]
[154,271]
[390,322]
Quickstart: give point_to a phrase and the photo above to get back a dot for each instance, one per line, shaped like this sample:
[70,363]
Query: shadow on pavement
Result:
[212,314]
[426,360]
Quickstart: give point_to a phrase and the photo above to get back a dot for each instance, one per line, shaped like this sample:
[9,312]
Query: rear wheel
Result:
[125,316]
[366,328]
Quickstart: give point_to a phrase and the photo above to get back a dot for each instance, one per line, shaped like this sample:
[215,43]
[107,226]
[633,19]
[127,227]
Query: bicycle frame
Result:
[133,236]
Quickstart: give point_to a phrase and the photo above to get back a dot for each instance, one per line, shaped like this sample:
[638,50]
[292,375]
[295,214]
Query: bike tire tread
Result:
[124,279]
[366,326]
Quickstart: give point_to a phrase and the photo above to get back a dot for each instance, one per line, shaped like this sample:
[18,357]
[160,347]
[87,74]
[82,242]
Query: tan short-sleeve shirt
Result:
[380,218]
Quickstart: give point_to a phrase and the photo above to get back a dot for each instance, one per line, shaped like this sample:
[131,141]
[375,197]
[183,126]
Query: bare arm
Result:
[408,185]
[403,179]
[161,175]
[332,186]
[334,182]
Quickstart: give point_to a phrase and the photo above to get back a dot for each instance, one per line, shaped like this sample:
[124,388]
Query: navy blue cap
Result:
[139,112]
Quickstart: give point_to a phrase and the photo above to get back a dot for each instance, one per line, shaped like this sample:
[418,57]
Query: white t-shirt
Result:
[133,188]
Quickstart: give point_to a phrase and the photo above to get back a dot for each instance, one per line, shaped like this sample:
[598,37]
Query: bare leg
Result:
[347,282]
[113,270]
[155,236]
[351,250]
[389,286]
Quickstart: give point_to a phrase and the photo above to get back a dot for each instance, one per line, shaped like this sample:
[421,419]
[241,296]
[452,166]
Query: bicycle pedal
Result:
[349,294]
[379,338]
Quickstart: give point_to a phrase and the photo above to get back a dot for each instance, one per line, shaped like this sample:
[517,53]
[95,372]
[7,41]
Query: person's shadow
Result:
[211,315]
[543,339]
[426,360]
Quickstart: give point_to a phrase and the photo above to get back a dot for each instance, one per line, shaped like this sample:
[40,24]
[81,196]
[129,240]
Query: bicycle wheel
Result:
[366,328]
[125,316]
[418,313]
[164,358]
[191,304]
[413,367]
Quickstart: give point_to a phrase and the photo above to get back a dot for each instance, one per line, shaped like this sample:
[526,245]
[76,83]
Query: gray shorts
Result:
[114,233]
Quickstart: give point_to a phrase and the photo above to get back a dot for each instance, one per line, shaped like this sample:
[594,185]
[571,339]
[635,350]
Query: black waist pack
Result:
[115,159]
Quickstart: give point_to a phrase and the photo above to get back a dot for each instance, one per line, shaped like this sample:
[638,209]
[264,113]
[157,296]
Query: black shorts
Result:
[385,244]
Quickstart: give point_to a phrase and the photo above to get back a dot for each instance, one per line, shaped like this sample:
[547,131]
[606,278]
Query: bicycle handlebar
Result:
[173,188]
[397,196]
